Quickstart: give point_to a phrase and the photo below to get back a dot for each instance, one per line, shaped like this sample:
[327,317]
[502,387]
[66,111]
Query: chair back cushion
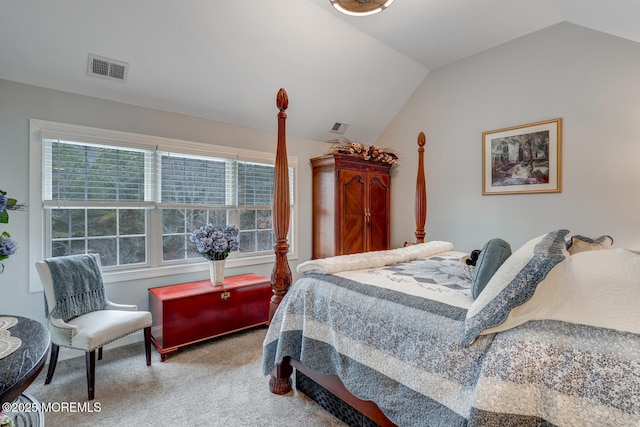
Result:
[77,286]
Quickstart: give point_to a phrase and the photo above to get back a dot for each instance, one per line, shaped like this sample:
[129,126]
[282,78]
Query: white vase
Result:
[216,271]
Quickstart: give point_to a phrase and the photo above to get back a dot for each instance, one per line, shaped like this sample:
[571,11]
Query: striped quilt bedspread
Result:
[393,335]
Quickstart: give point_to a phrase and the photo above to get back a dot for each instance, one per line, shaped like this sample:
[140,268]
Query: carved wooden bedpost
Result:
[280,381]
[421,192]
[281,275]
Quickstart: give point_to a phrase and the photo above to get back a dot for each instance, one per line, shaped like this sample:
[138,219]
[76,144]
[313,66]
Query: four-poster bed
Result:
[552,338]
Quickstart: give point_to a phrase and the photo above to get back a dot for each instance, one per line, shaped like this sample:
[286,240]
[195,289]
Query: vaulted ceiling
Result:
[225,60]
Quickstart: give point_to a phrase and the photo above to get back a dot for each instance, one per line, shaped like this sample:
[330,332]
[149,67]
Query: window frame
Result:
[40,231]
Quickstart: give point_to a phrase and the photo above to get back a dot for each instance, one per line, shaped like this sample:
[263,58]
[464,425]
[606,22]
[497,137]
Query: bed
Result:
[546,334]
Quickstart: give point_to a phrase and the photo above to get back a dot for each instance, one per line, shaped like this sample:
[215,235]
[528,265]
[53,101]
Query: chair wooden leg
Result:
[90,357]
[52,362]
[147,344]
[100,353]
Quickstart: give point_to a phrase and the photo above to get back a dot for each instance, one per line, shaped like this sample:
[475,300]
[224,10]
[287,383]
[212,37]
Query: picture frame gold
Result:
[523,159]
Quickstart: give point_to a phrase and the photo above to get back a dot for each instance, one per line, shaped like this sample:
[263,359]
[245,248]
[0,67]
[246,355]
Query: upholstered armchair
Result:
[79,314]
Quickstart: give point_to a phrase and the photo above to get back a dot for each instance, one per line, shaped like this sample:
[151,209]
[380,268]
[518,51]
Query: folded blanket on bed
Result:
[374,259]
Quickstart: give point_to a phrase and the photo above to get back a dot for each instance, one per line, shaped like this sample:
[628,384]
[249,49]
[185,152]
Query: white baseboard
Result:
[69,353]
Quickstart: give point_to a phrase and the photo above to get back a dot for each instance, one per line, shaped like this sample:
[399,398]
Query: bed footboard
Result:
[329,392]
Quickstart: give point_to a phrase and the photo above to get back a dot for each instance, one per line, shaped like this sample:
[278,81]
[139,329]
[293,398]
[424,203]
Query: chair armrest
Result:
[61,331]
[126,307]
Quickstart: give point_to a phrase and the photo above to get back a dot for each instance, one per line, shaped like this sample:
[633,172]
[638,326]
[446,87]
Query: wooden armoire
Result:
[351,205]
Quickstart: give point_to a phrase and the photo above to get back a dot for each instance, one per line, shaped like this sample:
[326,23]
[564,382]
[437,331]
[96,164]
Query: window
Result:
[238,192]
[95,198]
[118,235]
[135,199]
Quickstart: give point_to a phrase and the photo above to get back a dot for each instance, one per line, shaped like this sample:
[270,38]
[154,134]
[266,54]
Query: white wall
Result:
[19,103]
[589,79]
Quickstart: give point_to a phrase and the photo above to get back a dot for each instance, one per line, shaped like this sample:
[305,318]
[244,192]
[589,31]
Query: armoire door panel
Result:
[352,238]
[353,193]
[379,205]
[378,196]
[378,234]
[352,223]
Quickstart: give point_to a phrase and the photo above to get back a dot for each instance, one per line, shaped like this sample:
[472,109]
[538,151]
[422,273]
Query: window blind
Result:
[78,174]
[255,184]
[190,181]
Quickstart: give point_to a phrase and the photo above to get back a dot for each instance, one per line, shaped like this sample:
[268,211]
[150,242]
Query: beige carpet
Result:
[216,383]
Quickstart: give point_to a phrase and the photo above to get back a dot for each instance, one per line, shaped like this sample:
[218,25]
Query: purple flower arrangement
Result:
[215,242]
[8,246]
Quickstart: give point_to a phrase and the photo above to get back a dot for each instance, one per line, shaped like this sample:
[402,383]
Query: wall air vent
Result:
[106,68]
[339,128]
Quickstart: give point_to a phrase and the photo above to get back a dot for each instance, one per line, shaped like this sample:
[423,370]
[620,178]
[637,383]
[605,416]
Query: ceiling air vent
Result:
[107,68]
[339,128]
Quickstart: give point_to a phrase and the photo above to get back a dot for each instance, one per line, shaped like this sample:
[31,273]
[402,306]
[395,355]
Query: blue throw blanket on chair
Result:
[77,286]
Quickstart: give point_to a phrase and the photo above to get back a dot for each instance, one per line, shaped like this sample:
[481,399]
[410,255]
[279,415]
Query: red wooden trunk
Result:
[190,312]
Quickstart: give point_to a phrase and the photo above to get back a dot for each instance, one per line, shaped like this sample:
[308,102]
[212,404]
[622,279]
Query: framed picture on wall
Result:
[523,159]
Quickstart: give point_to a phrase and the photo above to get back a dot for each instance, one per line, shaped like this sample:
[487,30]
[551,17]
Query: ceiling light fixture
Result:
[360,7]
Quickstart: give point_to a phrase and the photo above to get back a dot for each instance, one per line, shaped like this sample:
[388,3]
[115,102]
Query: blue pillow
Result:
[492,255]
[514,284]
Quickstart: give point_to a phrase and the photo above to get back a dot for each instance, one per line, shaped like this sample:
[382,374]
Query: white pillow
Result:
[602,288]
[579,243]
[532,275]
[595,288]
